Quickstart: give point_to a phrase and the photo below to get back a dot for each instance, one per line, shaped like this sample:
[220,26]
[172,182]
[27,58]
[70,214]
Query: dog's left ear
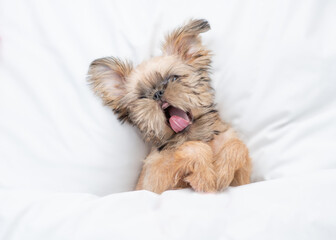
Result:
[186,42]
[108,78]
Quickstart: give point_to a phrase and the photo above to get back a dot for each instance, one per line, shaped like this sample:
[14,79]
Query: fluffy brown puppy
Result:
[170,100]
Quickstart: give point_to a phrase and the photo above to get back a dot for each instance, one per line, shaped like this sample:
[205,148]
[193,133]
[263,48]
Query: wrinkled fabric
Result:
[286,208]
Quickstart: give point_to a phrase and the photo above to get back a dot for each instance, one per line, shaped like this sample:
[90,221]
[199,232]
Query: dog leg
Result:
[194,165]
[242,175]
[232,164]
[190,165]
[156,174]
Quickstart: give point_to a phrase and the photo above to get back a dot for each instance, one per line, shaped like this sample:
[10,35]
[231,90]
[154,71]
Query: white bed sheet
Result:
[64,159]
[287,208]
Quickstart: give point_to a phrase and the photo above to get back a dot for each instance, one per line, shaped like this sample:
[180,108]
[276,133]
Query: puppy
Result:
[169,98]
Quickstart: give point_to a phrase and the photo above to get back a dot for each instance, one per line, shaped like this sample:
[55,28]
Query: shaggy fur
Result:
[206,155]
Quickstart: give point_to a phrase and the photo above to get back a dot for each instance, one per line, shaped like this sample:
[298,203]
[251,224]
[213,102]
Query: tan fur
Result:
[207,155]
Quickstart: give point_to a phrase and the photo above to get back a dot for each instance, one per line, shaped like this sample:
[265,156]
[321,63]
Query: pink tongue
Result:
[179,120]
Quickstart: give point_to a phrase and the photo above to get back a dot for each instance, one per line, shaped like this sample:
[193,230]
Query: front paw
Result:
[202,179]
[195,166]
[232,165]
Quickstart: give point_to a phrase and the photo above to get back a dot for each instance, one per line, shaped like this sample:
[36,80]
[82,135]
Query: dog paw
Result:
[223,182]
[232,165]
[202,180]
[194,161]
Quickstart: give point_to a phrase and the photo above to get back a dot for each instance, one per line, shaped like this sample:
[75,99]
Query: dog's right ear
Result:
[186,43]
[108,77]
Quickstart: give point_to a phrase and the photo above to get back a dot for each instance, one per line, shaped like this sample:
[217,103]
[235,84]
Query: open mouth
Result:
[177,119]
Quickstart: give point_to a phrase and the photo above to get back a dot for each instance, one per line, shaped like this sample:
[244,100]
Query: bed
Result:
[68,168]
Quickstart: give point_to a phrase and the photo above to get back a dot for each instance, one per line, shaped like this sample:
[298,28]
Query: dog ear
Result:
[186,43]
[108,77]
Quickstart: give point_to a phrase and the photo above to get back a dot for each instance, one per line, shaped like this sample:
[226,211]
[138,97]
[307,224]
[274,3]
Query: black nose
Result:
[158,95]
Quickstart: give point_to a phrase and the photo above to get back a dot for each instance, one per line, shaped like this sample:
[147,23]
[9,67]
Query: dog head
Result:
[165,95]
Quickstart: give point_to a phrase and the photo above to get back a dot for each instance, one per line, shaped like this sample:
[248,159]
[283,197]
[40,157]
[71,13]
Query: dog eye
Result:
[174,78]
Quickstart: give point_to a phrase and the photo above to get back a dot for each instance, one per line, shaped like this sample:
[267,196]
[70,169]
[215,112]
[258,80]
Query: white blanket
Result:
[68,167]
[292,208]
